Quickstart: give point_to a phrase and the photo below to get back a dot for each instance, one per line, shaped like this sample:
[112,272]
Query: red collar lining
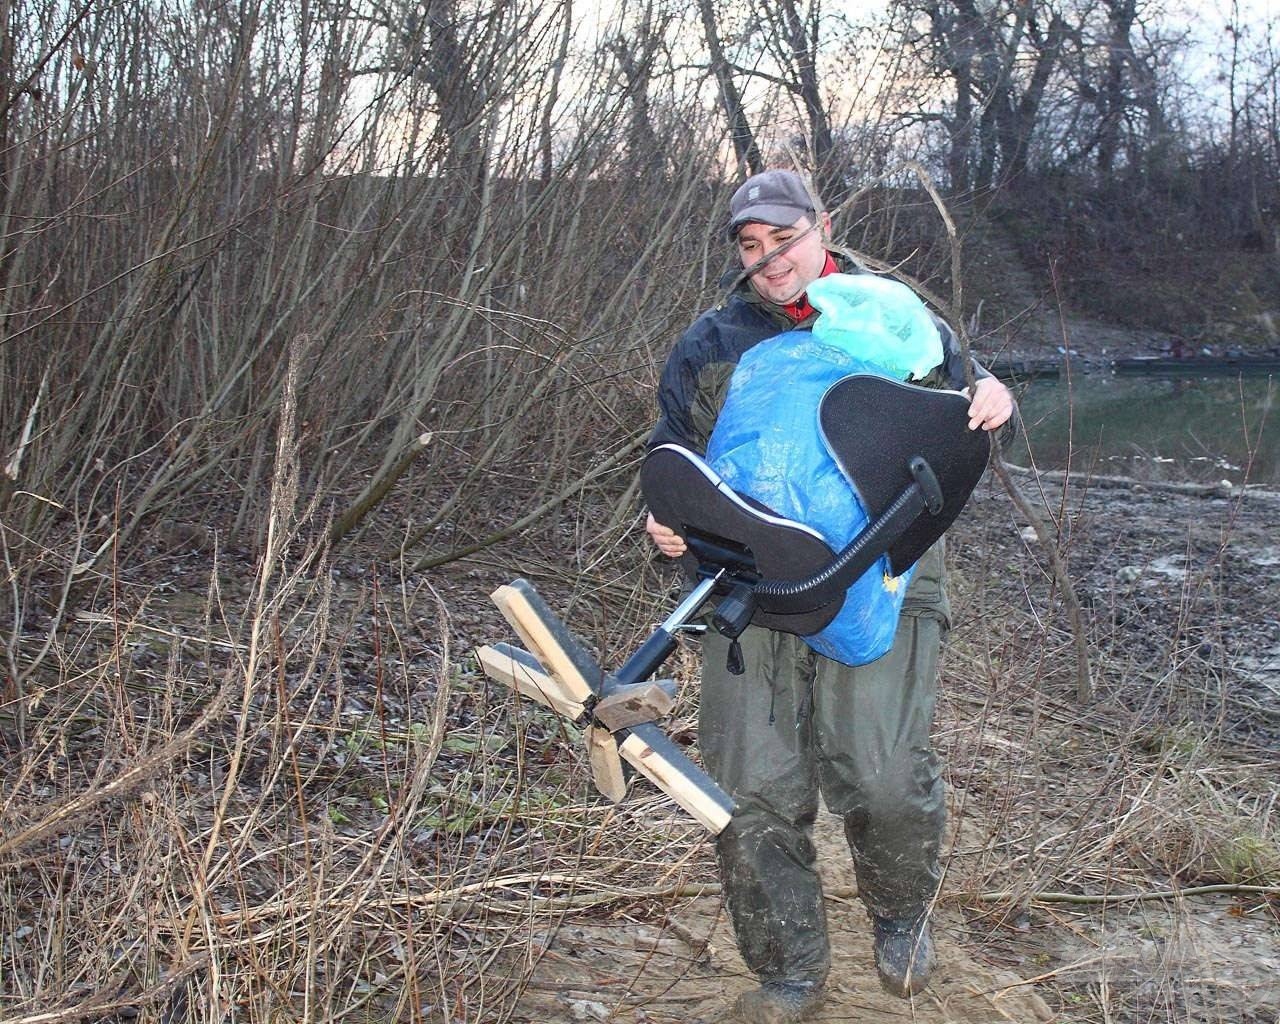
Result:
[801,309]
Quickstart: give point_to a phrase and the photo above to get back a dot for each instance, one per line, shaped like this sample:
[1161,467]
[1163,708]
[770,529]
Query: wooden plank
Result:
[631,705]
[662,762]
[645,745]
[548,639]
[521,671]
[606,764]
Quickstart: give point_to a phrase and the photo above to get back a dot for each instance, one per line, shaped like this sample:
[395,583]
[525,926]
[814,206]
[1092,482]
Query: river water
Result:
[1153,427]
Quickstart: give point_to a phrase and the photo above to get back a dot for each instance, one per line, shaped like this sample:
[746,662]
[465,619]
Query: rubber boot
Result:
[776,1002]
[904,953]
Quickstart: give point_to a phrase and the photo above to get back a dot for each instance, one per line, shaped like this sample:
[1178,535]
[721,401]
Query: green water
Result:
[1152,427]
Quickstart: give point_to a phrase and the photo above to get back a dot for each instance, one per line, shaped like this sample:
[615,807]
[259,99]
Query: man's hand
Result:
[669,542]
[992,404]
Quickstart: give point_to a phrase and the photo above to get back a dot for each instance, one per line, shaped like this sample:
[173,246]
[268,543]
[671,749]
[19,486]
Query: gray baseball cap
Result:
[778,198]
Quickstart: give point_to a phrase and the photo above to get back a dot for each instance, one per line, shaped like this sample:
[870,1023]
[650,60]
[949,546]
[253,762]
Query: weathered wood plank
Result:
[652,753]
[631,705]
[606,764]
[560,673]
[548,639]
[522,672]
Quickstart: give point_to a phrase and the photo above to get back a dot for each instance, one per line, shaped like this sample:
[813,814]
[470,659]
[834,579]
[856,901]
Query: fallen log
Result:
[1221,489]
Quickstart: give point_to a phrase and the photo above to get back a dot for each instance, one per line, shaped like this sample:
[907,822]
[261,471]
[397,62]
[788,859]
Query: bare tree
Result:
[636,53]
[793,36]
[553,92]
[999,60]
[1114,72]
[740,133]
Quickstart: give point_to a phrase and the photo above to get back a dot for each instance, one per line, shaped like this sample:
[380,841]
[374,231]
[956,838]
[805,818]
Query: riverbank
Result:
[303,755]
[1041,344]
[1106,860]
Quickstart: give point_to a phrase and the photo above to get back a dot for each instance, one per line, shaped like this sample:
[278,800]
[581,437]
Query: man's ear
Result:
[825,225]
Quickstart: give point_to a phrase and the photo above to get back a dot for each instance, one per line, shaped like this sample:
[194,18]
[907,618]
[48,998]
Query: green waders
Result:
[796,724]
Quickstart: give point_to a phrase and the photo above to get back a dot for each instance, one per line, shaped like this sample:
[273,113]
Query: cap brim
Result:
[773,214]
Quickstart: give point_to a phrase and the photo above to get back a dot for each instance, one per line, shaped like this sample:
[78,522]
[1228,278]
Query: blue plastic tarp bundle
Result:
[767,442]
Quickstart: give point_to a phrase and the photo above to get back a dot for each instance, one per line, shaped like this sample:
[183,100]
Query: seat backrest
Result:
[723,528]
[873,427]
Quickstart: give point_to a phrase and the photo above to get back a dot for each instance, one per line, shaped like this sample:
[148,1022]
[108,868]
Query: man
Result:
[795,724]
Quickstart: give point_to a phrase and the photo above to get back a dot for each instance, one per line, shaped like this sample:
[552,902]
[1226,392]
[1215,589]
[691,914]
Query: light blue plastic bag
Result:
[877,319]
[767,443]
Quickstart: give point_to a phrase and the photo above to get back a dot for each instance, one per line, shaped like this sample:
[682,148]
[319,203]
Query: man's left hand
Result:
[992,404]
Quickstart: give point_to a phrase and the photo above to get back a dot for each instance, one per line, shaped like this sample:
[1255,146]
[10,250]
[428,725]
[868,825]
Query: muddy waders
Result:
[794,725]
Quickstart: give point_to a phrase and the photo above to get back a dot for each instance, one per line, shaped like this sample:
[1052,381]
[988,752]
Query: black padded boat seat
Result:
[722,528]
[873,428]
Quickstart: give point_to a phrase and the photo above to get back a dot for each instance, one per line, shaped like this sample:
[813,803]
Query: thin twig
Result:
[1102,899]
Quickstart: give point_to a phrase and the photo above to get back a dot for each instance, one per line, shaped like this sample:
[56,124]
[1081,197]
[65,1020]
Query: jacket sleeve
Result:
[690,390]
[676,390]
[953,368]
[953,357]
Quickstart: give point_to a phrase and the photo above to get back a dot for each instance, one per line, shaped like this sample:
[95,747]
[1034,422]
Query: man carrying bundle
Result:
[795,724]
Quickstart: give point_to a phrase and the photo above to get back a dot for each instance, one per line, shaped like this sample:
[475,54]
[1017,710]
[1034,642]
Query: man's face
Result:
[785,277]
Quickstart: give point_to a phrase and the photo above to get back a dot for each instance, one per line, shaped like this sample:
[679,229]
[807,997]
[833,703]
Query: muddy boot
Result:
[904,953]
[776,1002]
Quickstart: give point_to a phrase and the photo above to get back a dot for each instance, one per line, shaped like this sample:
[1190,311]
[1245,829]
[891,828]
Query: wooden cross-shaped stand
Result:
[619,720]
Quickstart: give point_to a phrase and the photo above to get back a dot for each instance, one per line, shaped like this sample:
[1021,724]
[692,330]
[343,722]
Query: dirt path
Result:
[1185,745]
[1223,964]
[688,970]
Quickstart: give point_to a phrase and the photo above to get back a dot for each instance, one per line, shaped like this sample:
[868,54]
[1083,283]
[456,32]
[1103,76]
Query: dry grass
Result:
[243,822]
[1102,822]
[292,798]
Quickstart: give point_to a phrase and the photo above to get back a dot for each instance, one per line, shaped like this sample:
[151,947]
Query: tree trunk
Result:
[952,41]
[553,93]
[1120,13]
[744,140]
[802,42]
[1021,121]
[7,85]
[445,64]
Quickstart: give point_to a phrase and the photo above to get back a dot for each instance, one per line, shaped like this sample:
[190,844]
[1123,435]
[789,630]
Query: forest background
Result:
[321,318]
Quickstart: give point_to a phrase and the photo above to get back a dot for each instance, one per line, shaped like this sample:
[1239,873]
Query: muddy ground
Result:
[1111,859]
[1180,597]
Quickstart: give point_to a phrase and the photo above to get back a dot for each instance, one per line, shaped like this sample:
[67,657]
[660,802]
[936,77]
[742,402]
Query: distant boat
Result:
[1024,369]
[1198,364]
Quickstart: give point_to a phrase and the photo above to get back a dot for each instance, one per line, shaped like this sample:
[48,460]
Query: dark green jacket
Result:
[695,379]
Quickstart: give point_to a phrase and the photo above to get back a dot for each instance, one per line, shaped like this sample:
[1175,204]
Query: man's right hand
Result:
[669,542]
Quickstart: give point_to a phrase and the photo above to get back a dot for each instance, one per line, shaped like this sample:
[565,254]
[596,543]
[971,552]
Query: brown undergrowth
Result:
[248,792]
